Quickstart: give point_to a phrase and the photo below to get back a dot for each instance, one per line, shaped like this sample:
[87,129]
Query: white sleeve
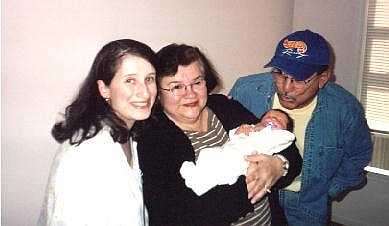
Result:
[63,199]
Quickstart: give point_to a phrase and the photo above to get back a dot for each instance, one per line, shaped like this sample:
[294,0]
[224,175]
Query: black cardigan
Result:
[163,147]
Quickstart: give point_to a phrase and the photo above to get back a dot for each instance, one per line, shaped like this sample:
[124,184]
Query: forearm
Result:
[350,172]
[356,154]
[170,202]
[173,206]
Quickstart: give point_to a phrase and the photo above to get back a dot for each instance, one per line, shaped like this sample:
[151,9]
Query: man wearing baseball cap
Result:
[330,127]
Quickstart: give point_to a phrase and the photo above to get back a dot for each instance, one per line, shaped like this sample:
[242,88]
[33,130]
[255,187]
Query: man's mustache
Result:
[286,96]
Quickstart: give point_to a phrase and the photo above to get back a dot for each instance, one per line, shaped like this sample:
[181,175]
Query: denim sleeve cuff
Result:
[335,190]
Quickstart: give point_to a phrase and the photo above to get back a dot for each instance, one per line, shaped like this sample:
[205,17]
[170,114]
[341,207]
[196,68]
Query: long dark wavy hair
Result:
[88,112]
[174,55]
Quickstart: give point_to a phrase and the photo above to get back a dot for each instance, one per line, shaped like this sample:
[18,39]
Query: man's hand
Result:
[262,173]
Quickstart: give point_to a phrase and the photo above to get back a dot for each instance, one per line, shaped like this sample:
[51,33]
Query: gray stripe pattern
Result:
[260,217]
[214,137]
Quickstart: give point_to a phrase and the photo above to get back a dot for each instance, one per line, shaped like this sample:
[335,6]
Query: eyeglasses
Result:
[281,77]
[179,89]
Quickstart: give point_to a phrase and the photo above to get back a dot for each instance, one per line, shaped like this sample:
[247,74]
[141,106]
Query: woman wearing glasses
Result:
[189,119]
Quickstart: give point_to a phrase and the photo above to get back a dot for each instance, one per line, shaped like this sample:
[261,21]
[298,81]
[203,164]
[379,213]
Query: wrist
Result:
[284,164]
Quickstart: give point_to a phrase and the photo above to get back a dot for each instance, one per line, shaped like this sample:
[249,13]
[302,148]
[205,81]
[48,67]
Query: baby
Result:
[224,164]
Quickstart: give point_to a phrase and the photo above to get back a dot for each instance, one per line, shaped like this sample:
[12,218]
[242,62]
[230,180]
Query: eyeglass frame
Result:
[185,87]
[276,72]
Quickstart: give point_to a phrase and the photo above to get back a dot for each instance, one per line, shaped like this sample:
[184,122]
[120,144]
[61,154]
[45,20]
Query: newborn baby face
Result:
[276,119]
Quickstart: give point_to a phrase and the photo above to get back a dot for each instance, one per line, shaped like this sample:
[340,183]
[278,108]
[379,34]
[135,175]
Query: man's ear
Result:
[104,90]
[324,78]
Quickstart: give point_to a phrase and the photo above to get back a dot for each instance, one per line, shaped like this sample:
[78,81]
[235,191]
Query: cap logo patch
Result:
[297,48]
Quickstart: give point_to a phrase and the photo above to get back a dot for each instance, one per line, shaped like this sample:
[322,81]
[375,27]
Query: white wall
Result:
[48,47]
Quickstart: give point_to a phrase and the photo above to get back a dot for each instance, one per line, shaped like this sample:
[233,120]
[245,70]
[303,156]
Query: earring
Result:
[108,100]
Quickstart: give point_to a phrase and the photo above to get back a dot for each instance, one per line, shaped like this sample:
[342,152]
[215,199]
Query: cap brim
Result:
[296,69]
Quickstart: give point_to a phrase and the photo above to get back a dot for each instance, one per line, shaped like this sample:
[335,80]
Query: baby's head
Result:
[278,119]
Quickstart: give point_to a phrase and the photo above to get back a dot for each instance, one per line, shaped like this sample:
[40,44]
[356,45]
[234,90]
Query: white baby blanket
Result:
[224,164]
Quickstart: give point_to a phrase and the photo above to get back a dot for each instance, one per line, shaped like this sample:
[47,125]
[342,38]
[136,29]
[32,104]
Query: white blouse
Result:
[92,184]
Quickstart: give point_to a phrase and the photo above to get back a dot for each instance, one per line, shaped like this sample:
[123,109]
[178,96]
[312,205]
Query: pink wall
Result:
[48,47]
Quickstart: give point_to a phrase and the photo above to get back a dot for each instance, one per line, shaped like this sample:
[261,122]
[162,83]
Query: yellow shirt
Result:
[301,117]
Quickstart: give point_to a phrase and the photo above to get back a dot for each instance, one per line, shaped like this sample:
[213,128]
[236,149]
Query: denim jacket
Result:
[337,141]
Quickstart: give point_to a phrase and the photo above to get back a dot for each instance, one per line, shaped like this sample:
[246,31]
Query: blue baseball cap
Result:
[301,54]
